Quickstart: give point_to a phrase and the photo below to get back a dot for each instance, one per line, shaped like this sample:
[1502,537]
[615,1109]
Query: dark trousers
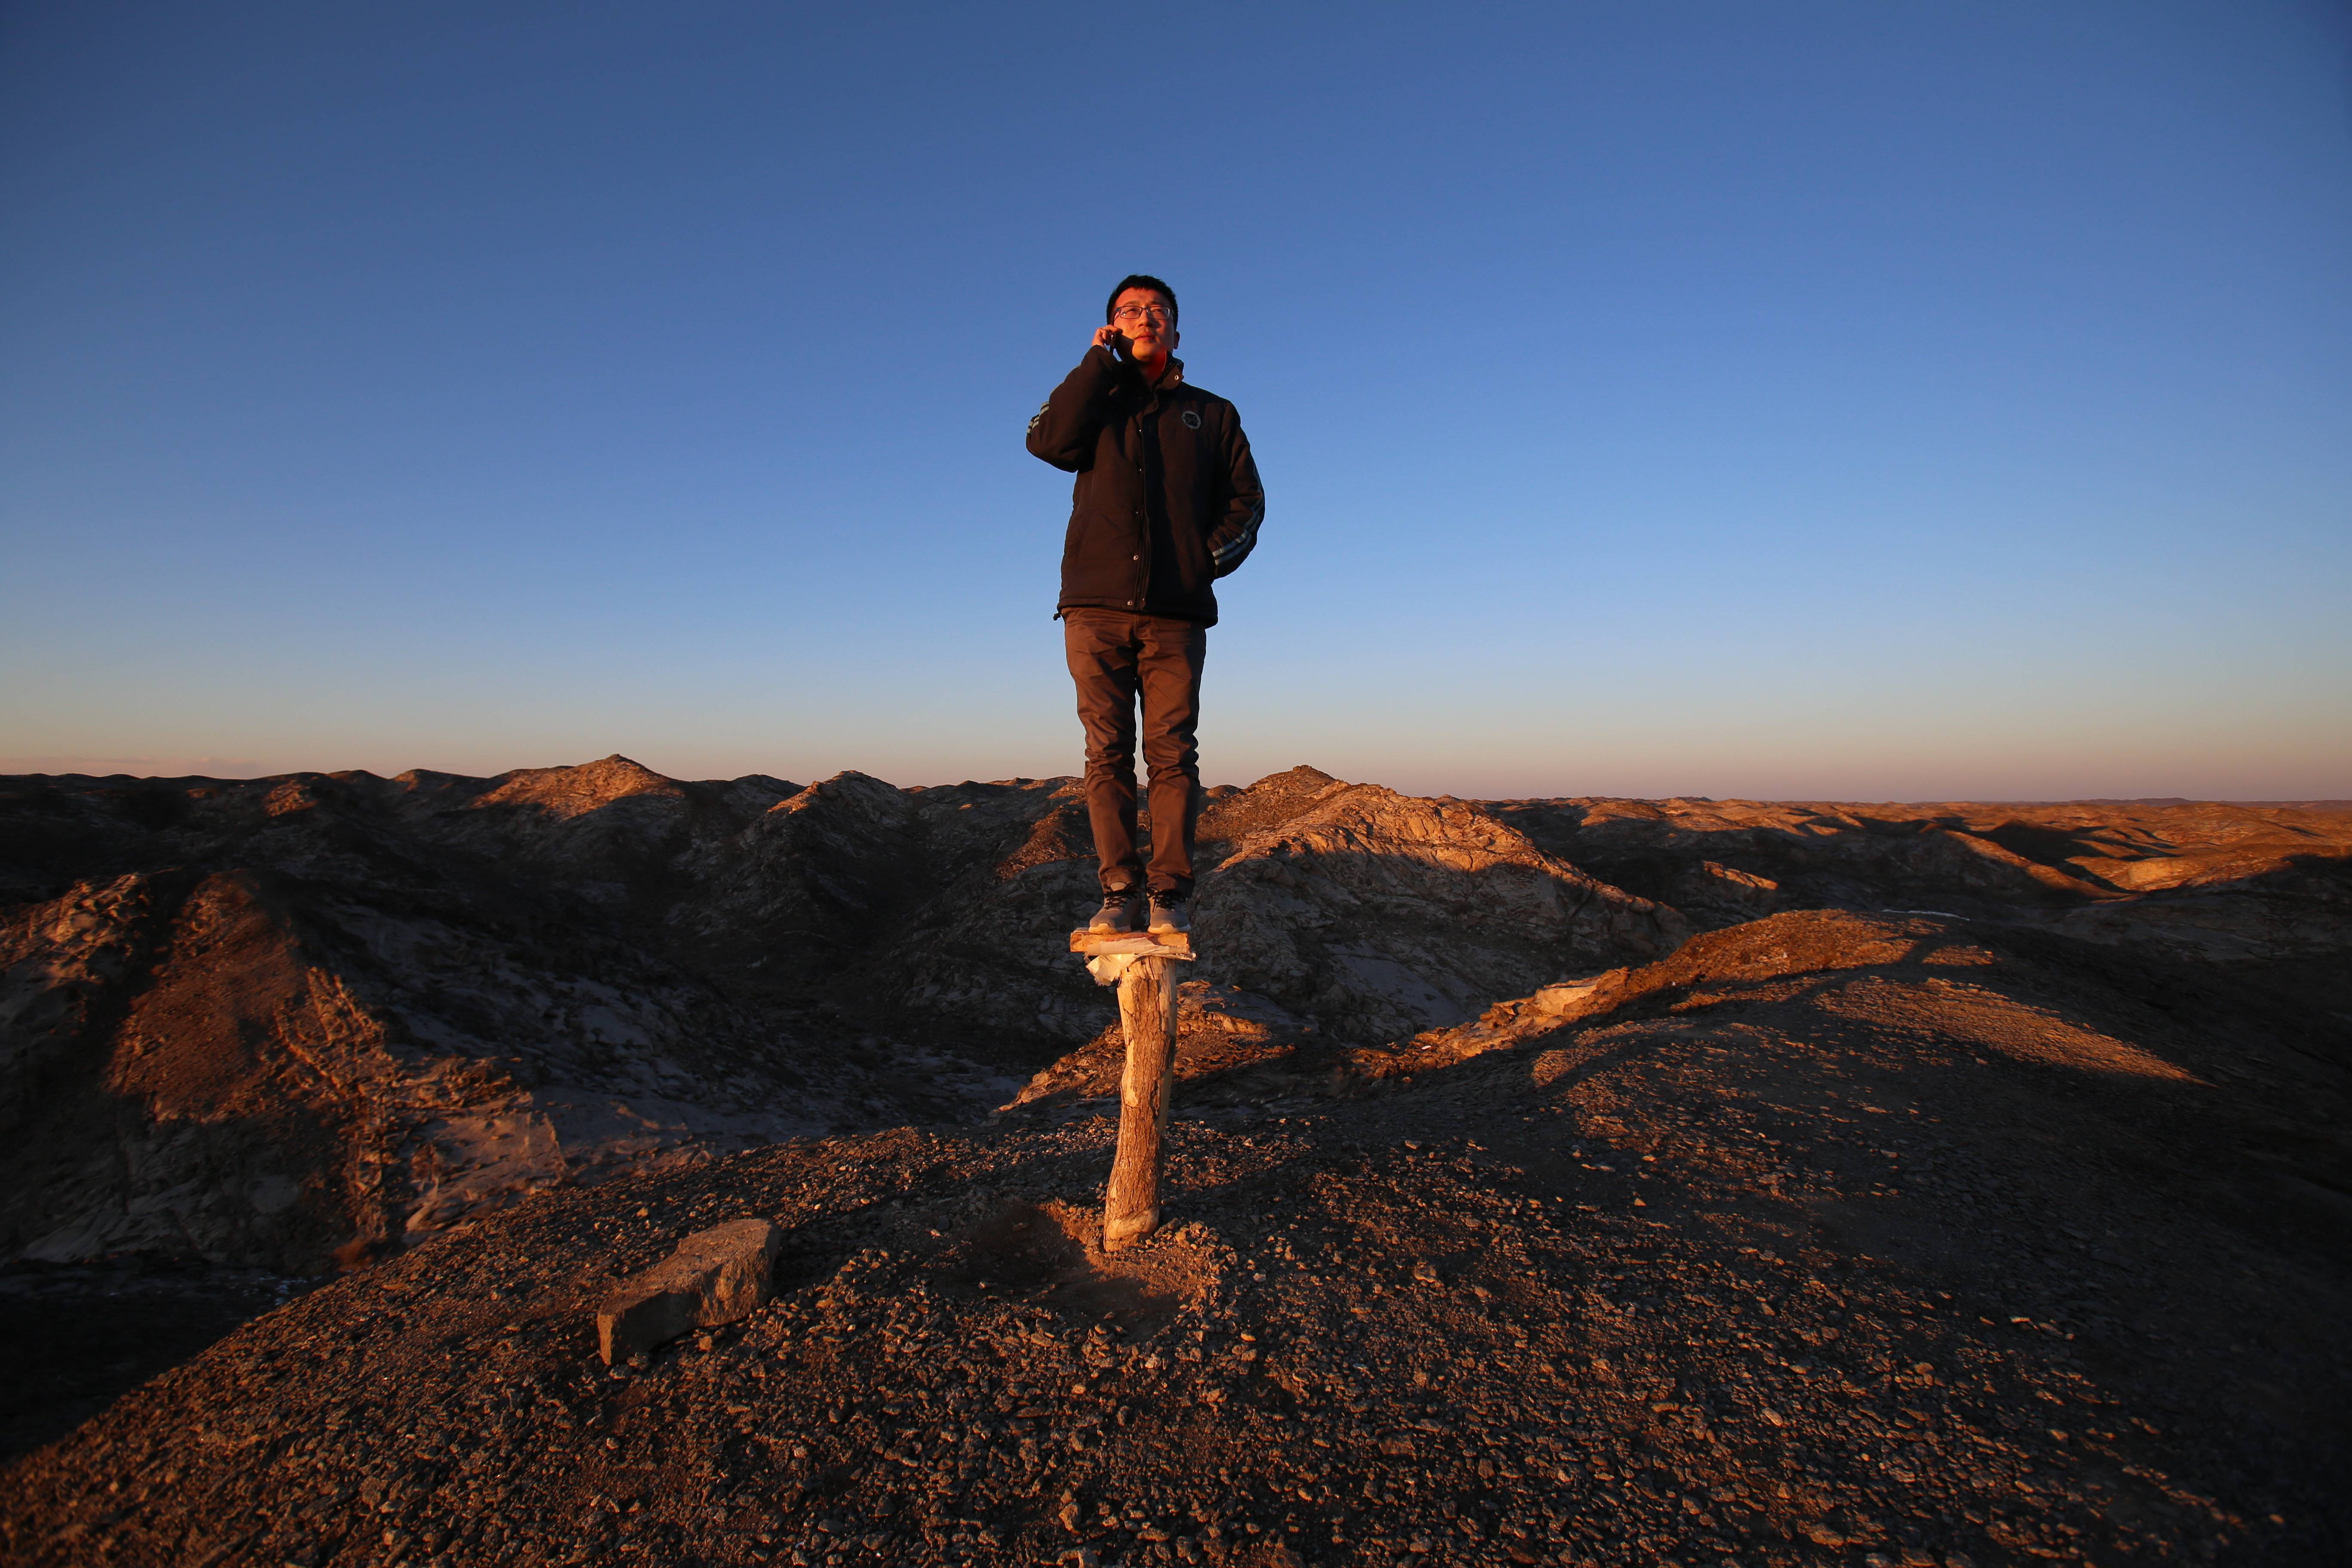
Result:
[1117,656]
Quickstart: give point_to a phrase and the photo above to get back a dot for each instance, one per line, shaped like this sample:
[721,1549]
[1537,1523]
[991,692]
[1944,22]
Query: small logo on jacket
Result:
[1192,419]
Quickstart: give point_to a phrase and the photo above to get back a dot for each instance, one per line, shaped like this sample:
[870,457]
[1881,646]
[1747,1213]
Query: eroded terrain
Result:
[1513,1221]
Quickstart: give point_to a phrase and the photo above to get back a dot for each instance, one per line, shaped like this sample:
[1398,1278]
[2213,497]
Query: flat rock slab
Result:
[716,1276]
[1574,998]
[1132,943]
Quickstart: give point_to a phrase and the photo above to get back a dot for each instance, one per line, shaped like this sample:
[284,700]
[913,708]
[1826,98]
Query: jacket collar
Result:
[1147,393]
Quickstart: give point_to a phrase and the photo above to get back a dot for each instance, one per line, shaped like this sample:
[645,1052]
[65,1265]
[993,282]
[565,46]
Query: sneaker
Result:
[1118,913]
[1168,913]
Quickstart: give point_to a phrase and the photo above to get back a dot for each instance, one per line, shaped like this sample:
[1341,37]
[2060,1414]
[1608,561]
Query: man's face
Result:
[1146,318]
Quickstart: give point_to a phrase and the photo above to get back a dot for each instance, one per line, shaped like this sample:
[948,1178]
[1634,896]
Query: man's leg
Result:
[1100,645]
[1169,664]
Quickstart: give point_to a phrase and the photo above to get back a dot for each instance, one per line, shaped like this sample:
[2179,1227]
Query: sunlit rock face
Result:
[1380,914]
[2250,882]
[308,1021]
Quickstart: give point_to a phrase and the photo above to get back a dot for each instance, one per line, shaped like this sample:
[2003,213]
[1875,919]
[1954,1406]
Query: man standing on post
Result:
[1167,501]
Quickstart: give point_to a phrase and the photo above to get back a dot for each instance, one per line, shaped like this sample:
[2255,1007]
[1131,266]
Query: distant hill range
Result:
[2184,800]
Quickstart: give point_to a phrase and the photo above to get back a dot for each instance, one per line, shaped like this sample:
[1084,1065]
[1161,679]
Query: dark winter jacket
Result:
[1167,499]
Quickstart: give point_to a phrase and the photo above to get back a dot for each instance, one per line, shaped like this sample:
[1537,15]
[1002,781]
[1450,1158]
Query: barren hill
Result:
[1514,1223]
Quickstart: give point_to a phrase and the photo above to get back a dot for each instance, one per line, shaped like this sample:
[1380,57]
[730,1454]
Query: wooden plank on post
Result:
[1147,944]
[1147,1016]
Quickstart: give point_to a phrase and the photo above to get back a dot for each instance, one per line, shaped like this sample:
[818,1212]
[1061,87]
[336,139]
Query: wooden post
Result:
[1146,1017]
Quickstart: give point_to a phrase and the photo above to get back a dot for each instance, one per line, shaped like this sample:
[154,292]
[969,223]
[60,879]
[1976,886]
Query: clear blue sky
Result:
[1921,401]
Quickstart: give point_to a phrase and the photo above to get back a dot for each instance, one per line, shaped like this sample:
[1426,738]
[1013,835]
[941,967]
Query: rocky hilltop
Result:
[1557,1180]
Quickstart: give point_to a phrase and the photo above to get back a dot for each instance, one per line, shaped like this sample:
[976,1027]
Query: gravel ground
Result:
[1835,1239]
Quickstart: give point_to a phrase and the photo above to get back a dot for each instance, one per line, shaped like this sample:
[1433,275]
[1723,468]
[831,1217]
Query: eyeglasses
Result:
[1130,314]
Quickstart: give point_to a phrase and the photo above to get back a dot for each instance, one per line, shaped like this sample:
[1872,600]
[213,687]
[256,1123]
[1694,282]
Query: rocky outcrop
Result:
[1378,914]
[311,1019]
[214,1089]
[214,1066]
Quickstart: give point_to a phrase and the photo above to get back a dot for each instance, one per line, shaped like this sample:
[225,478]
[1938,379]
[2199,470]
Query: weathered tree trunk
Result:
[1146,1015]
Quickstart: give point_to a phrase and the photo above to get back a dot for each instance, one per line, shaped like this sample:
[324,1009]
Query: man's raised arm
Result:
[1063,428]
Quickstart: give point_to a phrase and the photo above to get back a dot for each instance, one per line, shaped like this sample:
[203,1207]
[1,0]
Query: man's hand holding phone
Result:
[1109,337]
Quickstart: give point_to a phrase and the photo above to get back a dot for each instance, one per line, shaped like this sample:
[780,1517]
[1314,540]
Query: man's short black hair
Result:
[1140,280]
